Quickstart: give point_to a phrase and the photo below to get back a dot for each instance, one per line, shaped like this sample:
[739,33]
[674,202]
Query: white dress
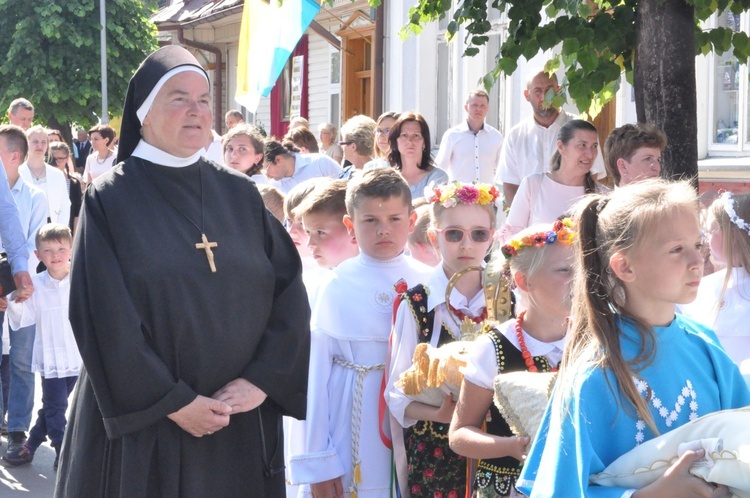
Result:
[539,199]
[731,321]
[55,351]
[351,324]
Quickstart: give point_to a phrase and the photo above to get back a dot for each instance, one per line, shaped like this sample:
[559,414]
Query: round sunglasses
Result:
[457,234]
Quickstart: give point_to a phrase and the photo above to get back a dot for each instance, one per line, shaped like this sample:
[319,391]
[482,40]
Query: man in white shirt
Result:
[286,167]
[529,146]
[470,151]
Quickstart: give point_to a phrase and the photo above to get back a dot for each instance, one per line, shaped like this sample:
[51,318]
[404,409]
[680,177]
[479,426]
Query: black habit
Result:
[156,328]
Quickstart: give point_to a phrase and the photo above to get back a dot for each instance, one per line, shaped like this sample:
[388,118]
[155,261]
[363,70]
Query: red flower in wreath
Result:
[429,473]
[420,447]
[438,453]
[416,489]
[452,494]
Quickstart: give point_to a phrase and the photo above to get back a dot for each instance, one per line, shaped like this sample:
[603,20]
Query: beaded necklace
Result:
[525,354]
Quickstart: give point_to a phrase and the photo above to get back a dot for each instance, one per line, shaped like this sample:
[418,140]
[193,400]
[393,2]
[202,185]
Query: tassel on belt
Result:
[357,415]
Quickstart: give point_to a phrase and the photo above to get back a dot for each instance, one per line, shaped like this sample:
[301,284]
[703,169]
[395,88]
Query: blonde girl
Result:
[723,302]
[462,226]
[540,262]
[632,369]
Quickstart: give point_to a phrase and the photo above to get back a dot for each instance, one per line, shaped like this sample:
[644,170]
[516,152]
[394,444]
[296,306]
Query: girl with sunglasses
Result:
[462,225]
[540,262]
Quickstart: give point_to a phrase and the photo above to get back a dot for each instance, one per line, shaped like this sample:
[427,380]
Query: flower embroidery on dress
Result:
[670,417]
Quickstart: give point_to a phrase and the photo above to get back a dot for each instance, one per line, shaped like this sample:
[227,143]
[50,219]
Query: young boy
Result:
[632,152]
[322,213]
[55,353]
[351,324]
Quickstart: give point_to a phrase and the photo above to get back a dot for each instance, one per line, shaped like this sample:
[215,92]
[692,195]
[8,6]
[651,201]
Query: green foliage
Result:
[50,54]
[596,41]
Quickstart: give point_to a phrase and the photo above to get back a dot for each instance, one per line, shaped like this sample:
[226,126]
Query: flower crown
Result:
[726,199]
[452,194]
[563,232]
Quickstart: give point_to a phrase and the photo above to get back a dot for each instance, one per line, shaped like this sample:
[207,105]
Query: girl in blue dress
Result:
[632,370]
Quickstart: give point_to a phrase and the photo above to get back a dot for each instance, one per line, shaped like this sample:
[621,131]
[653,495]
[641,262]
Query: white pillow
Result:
[647,462]
[521,398]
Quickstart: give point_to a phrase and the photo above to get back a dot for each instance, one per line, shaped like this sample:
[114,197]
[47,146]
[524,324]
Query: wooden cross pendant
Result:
[206,245]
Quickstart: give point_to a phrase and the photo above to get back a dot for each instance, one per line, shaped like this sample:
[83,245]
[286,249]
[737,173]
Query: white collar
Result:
[146,151]
[436,286]
[370,261]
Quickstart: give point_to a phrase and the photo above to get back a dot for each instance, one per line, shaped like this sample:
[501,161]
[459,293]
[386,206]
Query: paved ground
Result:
[36,480]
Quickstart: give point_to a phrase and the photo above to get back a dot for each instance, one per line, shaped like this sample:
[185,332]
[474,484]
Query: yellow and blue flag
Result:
[270,31]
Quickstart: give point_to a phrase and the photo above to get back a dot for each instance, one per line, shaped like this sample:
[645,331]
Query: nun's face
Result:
[179,121]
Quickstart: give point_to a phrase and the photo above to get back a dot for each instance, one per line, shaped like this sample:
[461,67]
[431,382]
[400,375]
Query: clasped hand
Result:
[204,416]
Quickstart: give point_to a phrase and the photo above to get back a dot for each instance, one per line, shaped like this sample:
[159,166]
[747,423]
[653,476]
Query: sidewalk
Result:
[36,480]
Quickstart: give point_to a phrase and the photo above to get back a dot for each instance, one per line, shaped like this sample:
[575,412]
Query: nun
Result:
[188,307]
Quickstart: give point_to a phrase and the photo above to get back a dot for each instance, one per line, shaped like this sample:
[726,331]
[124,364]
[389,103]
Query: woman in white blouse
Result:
[544,197]
[103,156]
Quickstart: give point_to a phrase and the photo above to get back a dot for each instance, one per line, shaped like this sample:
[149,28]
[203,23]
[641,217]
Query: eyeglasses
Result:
[411,138]
[387,131]
[344,143]
[58,159]
[457,234]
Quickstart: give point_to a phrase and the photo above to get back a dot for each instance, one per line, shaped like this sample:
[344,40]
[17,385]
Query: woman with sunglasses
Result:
[60,159]
[540,262]
[410,154]
[544,197]
[462,220]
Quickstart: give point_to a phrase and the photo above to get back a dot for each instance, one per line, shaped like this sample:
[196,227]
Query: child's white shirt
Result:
[730,324]
[55,350]
[406,335]
[351,325]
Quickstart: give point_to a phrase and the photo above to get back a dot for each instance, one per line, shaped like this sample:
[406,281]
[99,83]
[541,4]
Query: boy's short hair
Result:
[379,183]
[298,193]
[54,232]
[328,198]
[273,200]
[15,139]
[624,141]
[419,235]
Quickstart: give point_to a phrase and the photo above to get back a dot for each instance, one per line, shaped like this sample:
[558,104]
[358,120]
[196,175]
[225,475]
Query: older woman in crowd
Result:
[327,135]
[410,153]
[358,141]
[185,383]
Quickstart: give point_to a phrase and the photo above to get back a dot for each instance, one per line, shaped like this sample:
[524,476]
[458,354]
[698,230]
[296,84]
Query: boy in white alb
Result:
[55,353]
[343,452]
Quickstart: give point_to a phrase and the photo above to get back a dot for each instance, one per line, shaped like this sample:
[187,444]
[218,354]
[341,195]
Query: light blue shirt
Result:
[11,233]
[308,166]
[32,211]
